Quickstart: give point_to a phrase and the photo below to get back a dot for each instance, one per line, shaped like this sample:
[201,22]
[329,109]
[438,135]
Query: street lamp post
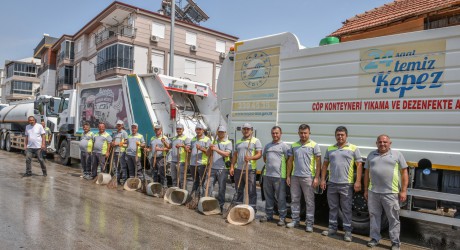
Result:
[171,38]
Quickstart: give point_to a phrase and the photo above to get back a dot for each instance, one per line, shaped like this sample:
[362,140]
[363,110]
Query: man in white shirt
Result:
[35,142]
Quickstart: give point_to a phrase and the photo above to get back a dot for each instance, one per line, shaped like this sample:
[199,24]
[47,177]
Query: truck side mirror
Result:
[35,105]
[36,112]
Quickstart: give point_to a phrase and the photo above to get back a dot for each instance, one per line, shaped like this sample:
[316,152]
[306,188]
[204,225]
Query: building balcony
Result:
[44,68]
[110,35]
[64,86]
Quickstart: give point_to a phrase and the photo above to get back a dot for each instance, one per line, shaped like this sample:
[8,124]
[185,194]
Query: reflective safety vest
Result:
[204,156]
[105,144]
[183,138]
[140,138]
[253,163]
[310,144]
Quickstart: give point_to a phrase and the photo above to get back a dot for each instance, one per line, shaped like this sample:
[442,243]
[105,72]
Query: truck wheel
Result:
[64,153]
[8,143]
[360,220]
[2,142]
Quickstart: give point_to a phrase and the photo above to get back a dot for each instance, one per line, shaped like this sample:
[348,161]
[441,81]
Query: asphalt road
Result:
[63,211]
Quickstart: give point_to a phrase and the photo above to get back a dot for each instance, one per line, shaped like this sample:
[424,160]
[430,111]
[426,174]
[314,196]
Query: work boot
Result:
[309,228]
[347,237]
[329,232]
[28,174]
[265,219]
[45,174]
[372,243]
[293,224]
[281,223]
[395,246]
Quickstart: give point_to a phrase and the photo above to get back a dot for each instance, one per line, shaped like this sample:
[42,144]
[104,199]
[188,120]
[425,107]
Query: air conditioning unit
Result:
[222,55]
[192,48]
[155,70]
[154,39]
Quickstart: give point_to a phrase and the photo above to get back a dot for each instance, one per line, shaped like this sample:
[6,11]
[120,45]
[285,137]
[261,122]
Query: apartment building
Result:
[124,39]
[2,76]
[47,70]
[21,81]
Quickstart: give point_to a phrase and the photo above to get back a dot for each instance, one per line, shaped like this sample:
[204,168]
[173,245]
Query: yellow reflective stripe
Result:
[283,166]
[395,183]
[89,147]
[351,170]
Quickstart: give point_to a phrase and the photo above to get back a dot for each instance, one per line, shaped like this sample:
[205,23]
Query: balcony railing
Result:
[122,30]
[114,63]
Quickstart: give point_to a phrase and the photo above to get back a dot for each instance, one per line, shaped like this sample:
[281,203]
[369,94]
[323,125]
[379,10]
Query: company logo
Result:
[256,69]
[400,72]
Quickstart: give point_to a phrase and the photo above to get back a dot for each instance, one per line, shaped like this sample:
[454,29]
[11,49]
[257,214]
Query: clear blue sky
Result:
[25,21]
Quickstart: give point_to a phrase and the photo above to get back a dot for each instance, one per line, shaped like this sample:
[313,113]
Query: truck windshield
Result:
[53,107]
[64,103]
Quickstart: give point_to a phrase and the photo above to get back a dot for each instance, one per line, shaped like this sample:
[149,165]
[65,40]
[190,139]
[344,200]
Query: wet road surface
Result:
[63,211]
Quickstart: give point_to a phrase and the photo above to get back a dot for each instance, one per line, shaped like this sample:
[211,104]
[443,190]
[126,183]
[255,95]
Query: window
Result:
[190,67]
[190,38]
[67,50]
[115,56]
[220,46]
[23,88]
[79,45]
[65,75]
[21,69]
[158,29]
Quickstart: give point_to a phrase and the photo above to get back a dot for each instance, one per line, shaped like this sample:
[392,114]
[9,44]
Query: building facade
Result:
[47,70]
[21,81]
[400,16]
[125,39]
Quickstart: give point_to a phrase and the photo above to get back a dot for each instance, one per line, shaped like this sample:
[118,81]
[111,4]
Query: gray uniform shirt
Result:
[101,142]
[132,144]
[241,148]
[173,152]
[218,161]
[385,171]
[304,164]
[156,141]
[276,155]
[341,162]
[85,140]
[197,156]
[117,138]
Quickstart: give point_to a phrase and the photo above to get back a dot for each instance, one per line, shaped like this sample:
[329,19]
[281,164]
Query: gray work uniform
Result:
[199,161]
[340,185]
[132,156]
[157,159]
[219,171]
[241,148]
[86,147]
[303,173]
[274,177]
[384,187]
[178,157]
[119,156]
[100,146]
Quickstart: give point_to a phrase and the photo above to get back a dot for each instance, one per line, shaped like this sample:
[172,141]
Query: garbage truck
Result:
[13,120]
[406,86]
[147,100]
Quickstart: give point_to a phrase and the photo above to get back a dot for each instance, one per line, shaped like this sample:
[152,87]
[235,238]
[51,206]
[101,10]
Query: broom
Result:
[189,200]
[113,182]
[165,181]
[196,198]
[193,203]
[235,196]
[144,183]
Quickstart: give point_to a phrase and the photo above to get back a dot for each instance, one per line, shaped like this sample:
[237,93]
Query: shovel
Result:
[113,183]
[242,214]
[208,205]
[154,188]
[133,184]
[144,183]
[103,178]
[179,196]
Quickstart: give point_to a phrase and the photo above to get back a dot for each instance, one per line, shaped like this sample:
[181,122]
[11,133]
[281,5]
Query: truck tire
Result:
[360,220]
[8,143]
[2,142]
[64,153]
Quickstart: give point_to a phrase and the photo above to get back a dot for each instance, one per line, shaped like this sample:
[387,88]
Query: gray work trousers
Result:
[134,165]
[340,196]
[97,163]
[85,161]
[275,190]
[219,176]
[251,187]
[196,179]
[30,154]
[119,165]
[303,185]
[158,171]
[174,174]
[389,203]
